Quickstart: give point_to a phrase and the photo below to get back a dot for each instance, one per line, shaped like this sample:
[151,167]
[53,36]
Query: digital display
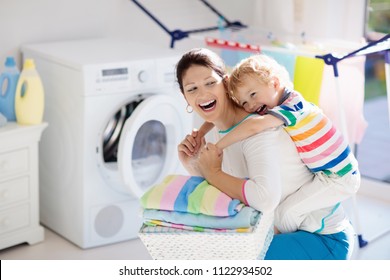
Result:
[113,72]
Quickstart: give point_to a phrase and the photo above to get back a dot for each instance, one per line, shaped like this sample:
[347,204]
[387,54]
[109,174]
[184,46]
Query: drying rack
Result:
[178,34]
[381,46]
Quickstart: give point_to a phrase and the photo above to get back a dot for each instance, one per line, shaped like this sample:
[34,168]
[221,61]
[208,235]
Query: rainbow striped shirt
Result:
[321,146]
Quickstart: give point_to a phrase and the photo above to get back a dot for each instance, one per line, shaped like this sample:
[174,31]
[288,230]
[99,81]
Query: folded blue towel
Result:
[245,218]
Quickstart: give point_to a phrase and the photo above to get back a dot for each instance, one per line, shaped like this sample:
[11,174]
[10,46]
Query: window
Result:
[373,152]
[378,18]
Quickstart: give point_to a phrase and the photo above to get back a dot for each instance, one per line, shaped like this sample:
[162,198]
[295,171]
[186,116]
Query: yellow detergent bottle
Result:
[29,95]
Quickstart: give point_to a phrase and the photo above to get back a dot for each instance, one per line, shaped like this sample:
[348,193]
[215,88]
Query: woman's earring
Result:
[189,109]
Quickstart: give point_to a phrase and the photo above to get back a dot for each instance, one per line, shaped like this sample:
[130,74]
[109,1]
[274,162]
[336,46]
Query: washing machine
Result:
[115,118]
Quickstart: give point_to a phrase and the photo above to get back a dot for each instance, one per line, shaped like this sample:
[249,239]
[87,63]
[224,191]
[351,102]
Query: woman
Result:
[269,159]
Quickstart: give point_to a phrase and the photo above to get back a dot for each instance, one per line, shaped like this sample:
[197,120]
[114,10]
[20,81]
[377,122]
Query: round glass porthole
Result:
[149,152]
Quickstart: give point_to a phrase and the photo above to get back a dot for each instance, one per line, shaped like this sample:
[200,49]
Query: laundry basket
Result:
[165,243]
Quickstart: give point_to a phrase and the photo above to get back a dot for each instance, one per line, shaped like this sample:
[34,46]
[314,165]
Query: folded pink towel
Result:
[190,194]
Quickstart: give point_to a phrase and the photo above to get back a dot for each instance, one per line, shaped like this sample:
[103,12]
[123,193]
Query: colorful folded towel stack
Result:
[186,218]
[191,203]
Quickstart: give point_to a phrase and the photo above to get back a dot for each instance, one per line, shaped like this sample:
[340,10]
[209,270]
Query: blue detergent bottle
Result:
[8,82]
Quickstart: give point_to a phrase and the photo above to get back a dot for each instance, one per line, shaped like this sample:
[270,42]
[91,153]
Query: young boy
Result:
[260,85]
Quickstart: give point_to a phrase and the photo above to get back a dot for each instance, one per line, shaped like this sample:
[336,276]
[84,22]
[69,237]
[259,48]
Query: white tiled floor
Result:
[373,218]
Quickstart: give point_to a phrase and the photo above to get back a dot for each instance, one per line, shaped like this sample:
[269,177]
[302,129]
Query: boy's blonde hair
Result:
[261,67]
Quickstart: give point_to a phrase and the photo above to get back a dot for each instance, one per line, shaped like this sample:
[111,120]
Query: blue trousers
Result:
[303,245]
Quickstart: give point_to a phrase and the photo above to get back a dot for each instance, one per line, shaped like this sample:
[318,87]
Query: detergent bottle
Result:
[29,95]
[8,81]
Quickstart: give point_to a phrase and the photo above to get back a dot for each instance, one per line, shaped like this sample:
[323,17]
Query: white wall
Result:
[30,21]
[27,21]
[319,19]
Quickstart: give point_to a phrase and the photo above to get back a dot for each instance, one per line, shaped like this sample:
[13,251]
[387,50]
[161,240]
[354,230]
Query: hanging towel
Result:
[283,58]
[351,88]
[190,194]
[308,74]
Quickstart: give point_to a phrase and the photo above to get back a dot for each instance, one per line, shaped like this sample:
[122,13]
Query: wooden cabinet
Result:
[19,184]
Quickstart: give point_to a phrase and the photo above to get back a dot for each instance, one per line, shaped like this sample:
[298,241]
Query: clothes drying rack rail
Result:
[178,34]
[381,46]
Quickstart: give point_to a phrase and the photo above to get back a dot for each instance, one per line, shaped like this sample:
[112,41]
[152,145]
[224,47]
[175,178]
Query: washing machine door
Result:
[148,144]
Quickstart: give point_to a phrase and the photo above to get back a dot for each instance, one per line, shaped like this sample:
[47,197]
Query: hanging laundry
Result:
[351,89]
[242,55]
[230,57]
[307,79]
[284,58]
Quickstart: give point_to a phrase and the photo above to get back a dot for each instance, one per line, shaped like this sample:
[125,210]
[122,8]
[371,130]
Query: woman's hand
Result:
[210,161]
[188,151]
[191,144]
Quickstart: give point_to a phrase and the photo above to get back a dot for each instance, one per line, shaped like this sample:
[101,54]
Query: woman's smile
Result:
[208,105]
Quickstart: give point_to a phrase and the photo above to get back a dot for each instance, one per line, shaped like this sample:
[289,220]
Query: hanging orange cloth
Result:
[308,77]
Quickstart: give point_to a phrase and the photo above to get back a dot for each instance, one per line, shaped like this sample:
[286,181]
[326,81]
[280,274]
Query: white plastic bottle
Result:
[29,96]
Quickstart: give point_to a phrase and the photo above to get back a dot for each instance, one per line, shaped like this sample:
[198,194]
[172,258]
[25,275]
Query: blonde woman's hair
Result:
[259,66]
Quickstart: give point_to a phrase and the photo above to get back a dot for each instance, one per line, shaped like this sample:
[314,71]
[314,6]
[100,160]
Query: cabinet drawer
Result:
[14,190]
[13,162]
[14,218]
